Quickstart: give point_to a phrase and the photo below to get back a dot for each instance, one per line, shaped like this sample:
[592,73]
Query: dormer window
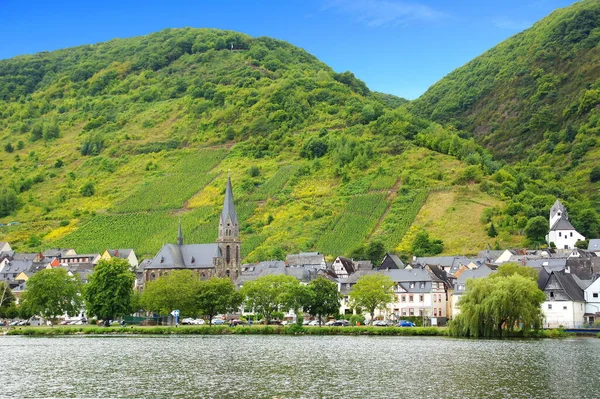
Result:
[193,260]
[162,259]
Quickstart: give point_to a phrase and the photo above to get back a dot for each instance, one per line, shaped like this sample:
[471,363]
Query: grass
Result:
[260,330]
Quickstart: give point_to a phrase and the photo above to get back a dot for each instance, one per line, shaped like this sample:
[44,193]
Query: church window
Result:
[227,273]
[203,276]
[228,254]
[237,255]
[152,276]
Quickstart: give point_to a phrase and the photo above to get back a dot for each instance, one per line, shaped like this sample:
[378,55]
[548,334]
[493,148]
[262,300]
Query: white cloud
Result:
[377,13]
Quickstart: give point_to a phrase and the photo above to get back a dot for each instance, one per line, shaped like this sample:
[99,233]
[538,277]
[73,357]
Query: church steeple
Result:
[229,237]
[228,214]
[179,235]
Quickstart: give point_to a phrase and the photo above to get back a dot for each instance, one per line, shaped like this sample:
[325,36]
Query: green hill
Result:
[534,101]
[110,145]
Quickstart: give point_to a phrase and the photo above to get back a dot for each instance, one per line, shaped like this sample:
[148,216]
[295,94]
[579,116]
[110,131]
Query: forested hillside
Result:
[110,145]
[534,101]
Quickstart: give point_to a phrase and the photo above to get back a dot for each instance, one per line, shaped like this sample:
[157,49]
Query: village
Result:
[427,288]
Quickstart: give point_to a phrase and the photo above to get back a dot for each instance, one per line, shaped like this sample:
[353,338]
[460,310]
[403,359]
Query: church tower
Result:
[229,238]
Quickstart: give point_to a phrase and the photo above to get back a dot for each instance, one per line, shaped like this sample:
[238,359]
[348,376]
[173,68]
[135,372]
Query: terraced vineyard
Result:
[176,185]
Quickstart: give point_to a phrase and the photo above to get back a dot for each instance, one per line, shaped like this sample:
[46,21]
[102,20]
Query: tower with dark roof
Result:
[229,238]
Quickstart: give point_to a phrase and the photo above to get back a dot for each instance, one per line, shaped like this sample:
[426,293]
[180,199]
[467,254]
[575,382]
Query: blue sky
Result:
[395,46]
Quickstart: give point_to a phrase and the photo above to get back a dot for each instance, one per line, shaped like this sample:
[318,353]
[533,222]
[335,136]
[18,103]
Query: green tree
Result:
[175,290]
[7,298]
[425,246]
[511,268]
[52,293]
[496,304]
[314,148]
[582,244]
[109,291]
[88,189]
[595,174]
[267,294]
[587,223]
[9,202]
[323,298]
[215,296]
[492,231]
[372,291]
[536,229]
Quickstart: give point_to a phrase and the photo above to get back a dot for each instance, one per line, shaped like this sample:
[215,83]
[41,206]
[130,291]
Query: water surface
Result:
[297,367]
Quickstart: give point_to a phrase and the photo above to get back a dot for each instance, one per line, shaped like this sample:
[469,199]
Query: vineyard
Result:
[353,227]
[179,183]
[400,217]
[275,184]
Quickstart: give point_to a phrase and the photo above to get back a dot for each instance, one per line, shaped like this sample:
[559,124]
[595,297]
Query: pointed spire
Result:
[179,235]
[228,206]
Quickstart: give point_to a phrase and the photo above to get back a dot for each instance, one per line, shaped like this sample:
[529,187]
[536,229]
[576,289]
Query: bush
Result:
[88,189]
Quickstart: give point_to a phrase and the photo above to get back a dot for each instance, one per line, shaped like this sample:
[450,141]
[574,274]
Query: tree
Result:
[511,268]
[492,231]
[587,223]
[109,291]
[215,296]
[499,303]
[53,292]
[372,291]
[314,148]
[424,246]
[88,189]
[595,174]
[267,294]
[175,290]
[323,298]
[536,229]
[7,298]
[374,251]
[582,244]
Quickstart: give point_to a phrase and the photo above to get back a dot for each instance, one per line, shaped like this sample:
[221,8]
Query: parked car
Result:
[305,322]
[314,323]
[217,321]
[2,324]
[330,323]
[341,323]
[198,322]
[405,323]
[188,320]
[380,323]
[14,323]
[236,322]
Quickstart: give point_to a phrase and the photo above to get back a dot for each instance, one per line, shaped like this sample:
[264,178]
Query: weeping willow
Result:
[497,305]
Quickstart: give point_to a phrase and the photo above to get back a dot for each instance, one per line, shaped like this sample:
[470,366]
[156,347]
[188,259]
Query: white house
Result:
[460,284]
[343,267]
[592,302]
[562,233]
[565,303]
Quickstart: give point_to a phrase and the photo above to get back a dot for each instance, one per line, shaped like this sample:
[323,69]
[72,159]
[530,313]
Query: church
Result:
[220,259]
[562,233]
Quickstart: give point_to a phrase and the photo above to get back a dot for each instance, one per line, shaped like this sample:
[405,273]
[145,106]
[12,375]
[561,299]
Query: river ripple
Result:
[297,367]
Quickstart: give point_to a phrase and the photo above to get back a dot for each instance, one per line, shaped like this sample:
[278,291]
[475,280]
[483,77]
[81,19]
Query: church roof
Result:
[558,206]
[228,207]
[562,224]
[190,256]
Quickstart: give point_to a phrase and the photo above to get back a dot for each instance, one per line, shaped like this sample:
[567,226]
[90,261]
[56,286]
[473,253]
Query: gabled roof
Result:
[228,206]
[391,261]
[481,271]
[594,245]
[562,224]
[569,285]
[305,258]
[15,267]
[363,265]
[120,253]
[558,206]
[190,256]
[347,264]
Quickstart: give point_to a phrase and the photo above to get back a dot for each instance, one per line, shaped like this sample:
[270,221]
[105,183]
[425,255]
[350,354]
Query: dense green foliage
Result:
[534,101]
[109,291]
[215,296]
[371,292]
[108,145]
[174,290]
[52,293]
[500,303]
[269,294]
[323,299]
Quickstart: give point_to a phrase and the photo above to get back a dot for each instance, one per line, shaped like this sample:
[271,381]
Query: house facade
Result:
[127,254]
[565,303]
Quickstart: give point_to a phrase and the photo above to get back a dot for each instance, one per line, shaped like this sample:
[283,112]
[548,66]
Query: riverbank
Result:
[259,330]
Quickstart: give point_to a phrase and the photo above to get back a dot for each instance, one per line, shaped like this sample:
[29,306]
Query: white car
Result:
[188,320]
[198,322]
[314,323]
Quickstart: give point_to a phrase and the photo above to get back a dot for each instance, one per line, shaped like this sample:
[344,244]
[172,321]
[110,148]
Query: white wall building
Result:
[562,233]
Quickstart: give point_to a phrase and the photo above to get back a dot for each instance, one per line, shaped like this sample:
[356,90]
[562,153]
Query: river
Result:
[297,367]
